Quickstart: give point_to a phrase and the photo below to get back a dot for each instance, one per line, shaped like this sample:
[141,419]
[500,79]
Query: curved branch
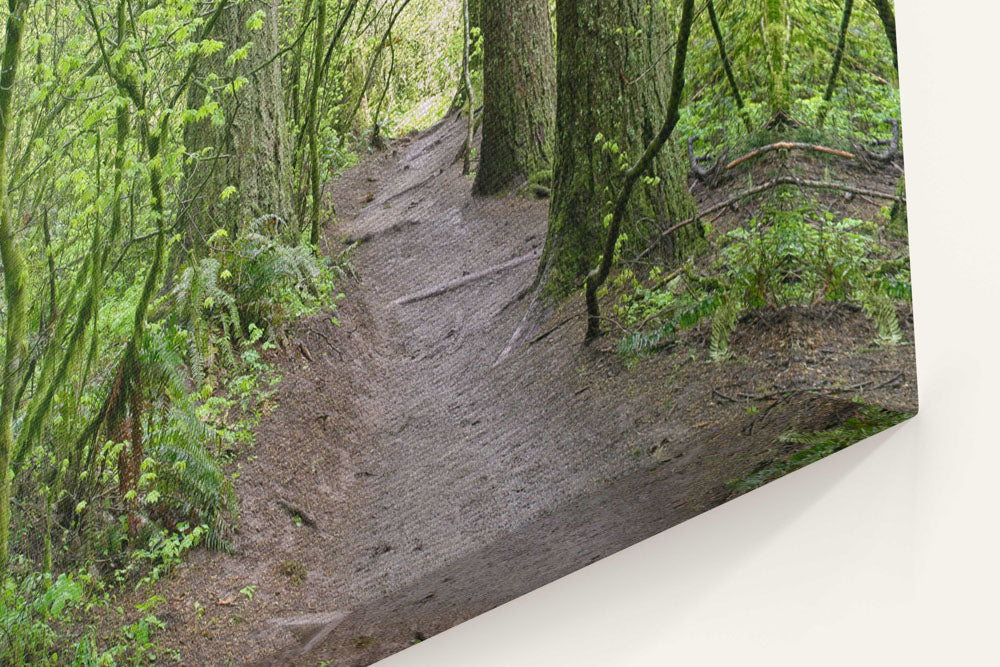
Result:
[892,151]
[696,168]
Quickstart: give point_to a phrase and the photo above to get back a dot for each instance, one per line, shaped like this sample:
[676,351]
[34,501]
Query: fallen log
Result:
[785,180]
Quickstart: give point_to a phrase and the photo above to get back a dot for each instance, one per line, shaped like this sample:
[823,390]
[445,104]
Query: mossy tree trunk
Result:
[518,93]
[249,151]
[613,78]
[14,273]
[888,17]
[776,42]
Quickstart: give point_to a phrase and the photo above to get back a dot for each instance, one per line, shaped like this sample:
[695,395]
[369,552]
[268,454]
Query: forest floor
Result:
[404,483]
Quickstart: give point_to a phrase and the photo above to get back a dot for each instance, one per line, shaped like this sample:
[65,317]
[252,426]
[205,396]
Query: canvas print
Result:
[331,324]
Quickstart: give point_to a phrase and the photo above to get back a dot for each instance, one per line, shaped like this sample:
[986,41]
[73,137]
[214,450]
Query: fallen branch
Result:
[545,335]
[823,389]
[465,280]
[893,145]
[711,175]
[696,168]
[785,180]
[789,145]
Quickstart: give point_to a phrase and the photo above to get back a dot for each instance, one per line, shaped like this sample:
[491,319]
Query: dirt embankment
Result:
[404,483]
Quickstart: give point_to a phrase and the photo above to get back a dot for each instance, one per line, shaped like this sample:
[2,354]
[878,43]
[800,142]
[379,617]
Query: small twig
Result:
[895,378]
[325,338]
[716,392]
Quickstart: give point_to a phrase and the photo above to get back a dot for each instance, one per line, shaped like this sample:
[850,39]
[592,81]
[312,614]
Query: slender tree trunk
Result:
[726,63]
[613,80]
[250,150]
[776,42]
[13,272]
[518,93]
[838,57]
[314,165]
[470,96]
[888,17]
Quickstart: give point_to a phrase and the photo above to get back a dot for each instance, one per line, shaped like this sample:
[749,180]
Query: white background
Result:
[884,554]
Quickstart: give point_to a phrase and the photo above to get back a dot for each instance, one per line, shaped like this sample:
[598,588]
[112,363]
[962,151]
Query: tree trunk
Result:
[888,17]
[776,42]
[838,57]
[613,79]
[470,95]
[250,150]
[15,344]
[518,93]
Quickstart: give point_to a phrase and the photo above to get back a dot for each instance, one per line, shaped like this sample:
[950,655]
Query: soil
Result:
[405,483]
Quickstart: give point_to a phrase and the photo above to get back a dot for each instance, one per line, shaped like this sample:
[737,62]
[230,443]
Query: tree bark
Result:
[518,93]
[838,57]
[613,78]
[888,17]
[470,95]
[314,163]
[250,150]
[14,274]
[597,277]
[776,42]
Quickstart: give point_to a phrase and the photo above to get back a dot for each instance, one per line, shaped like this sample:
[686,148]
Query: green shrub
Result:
[789,256]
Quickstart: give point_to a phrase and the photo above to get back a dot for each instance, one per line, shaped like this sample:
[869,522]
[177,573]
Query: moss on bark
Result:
[776,40]
[613,79]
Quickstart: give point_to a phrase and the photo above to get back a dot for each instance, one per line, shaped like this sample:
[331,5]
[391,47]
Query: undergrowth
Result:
[811,447]
[204,384]
[792,254]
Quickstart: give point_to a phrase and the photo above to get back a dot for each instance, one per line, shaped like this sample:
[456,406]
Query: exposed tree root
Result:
[465,280]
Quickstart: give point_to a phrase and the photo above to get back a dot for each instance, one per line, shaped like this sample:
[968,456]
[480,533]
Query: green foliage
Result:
[49,621]
[788,258]
[32,606]
[791,255]
[273,283]
[865,95]
[811,447]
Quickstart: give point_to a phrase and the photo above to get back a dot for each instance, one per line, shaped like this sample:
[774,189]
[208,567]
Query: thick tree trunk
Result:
[613,79]
[470,95]
[518,93]
[250,150]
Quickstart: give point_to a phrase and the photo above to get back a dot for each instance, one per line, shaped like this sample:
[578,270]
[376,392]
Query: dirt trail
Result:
[432,486]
